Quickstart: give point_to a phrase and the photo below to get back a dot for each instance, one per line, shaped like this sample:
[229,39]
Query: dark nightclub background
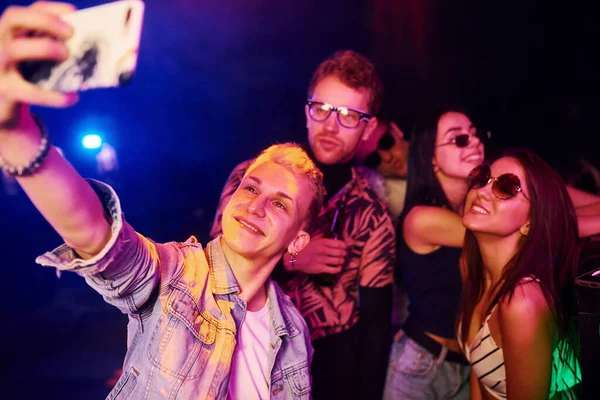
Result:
[218,81]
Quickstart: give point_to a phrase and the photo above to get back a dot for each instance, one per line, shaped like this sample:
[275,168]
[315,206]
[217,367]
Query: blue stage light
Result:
[92,141]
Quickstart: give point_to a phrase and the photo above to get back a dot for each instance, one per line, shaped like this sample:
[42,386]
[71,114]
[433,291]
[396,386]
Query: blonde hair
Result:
[295,159]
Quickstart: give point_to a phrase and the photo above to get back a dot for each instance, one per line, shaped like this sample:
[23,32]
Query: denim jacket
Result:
[184,315]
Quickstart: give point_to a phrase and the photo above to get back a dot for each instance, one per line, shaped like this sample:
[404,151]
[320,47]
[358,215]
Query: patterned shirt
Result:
[370,235]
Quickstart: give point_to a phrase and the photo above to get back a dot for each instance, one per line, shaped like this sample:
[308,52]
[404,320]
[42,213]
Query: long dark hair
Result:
[549,252]
[422,186]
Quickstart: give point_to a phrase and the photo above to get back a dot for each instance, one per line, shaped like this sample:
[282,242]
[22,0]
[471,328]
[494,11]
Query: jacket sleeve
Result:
[128,269]
[233,182]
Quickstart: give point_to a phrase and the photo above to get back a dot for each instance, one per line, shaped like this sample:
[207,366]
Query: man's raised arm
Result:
[63,197]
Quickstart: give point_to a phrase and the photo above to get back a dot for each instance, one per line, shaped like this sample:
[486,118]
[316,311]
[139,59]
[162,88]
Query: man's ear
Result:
[525,228]
[306,115]
[370,128]
[300,242]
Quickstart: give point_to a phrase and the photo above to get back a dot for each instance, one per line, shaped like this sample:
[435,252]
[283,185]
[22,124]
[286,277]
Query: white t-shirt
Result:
[248,375]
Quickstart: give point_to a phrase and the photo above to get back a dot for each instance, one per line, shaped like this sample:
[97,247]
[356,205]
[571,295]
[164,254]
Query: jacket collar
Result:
[223,282]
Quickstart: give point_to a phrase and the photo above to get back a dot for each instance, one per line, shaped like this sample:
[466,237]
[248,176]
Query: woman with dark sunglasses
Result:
[426,361]
[520,258]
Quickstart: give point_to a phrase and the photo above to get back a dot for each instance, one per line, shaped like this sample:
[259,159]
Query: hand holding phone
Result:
[103,49]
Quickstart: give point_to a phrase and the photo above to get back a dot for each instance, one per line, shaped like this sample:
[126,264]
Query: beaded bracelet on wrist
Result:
[36,161]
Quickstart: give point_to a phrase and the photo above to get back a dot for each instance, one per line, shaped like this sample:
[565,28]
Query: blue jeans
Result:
[416,374]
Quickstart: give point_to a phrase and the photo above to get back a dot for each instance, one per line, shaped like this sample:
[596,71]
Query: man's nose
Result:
[257,206]
[331,124]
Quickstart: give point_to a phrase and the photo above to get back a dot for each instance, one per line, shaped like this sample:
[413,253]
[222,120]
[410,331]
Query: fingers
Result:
[53,7]
[331,252]
[328,269]
[333,244]
[38,96]
[19,50]
[28,93]
[16,19]
[31,34]
[335,251]
[329,260]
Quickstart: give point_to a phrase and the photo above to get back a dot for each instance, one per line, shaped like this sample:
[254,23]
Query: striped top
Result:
[487,361]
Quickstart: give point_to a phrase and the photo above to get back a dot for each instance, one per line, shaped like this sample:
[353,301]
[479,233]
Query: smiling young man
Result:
[348,259]
[204,323]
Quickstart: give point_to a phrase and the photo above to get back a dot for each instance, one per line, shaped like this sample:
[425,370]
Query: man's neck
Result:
[251,277]
[335,176]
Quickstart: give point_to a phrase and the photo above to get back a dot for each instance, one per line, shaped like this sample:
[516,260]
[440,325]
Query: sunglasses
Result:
[386,142]
[504,187]
[464,139]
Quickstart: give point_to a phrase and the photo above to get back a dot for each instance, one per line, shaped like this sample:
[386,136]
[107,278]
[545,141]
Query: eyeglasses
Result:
[386,142]
[346,117]
[504,187]
[464,139]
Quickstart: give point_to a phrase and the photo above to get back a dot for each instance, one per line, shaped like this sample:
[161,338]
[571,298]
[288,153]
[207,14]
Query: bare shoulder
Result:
[526,312]
[528,334]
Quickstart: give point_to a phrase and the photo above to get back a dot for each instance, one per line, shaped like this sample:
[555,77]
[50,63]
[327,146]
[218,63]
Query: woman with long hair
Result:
[520,258]
[426,361]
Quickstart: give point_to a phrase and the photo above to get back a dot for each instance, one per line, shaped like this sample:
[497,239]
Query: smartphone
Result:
[103,50]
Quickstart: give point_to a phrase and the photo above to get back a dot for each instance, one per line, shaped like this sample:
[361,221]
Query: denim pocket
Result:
[183,338]
[124,386]
[409,358]
[298,378]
